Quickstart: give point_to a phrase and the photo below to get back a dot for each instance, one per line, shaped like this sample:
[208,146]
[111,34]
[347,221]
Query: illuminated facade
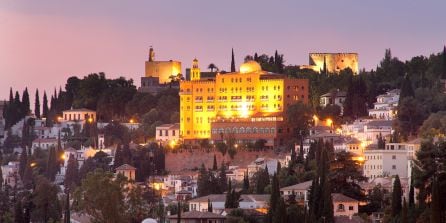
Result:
[247,105]
[334,62]
[161,69]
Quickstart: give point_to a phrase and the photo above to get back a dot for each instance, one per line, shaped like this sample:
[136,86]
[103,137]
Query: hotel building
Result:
[247,105]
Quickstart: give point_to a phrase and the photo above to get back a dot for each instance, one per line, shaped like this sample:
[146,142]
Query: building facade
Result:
[333,62]
[167,133]
[81,115]
[386,105]
[247,105]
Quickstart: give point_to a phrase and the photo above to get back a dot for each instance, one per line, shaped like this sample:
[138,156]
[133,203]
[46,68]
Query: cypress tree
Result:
[179,212]
[232,61]
[37,104]
[18,107]
[435,203]
[209,205]
[406,88]
[51,165]
[214,166]
[327,210]
[23,162]
[280,213]
[396,197]
[411,194]
[222,179]
[444,63]
[25,102]
[404,218]
[119,159]
[203,181]
[274,198]
[28,176]
[45,108]
[72,173]
[229,200]
[18,212]
[246,182]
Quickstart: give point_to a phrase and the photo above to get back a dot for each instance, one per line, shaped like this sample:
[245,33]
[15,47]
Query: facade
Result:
[300,190]
[395,159]
[333,98]
[344,206]
[168,133]
[45,144]
[10,173]
[247,201]
[386,105]
[127,171]
[334,62]
[197,217]
[247,105]
[79,115]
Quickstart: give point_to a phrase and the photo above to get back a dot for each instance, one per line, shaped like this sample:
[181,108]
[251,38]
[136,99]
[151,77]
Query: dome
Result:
[149,220]
[250,67]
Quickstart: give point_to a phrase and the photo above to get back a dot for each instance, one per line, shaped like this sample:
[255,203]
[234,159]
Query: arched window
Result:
[273,130]
[341,207]
[242,130]
[228,130]
[221,130]
[235,130]
[248,130]
[266,130]
[254,130]
[261,130]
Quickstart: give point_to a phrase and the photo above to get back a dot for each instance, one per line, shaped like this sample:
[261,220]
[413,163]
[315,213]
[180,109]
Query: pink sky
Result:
[42,43]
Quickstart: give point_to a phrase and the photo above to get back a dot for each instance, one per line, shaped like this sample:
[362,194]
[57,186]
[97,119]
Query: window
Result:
[394,167]
[341,207]
[394,157]
[161,133]
[350,208]
[166,132]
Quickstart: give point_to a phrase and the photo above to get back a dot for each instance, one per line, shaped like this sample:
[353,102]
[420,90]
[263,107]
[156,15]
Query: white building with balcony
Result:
[386,105]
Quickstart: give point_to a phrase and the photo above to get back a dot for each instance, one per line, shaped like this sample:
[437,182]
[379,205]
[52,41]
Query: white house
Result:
[247,201]
[10,173]
[300,190]
[344,206]
[167,133]
[395,159]
[386,105]
[335,97]
[80,114]
[45,143]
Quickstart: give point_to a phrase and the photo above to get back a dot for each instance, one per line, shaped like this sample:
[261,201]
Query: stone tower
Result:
[151,55]
[195,71]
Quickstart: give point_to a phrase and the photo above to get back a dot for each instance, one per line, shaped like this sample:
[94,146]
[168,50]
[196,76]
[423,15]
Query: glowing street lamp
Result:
[90,120]
[132,121]
[33,164]
[329,122]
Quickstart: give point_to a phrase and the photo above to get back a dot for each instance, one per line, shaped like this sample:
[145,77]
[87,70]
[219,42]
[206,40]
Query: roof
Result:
[45,140]
[197,215]
[342,198]
[125,167]
[79,110]
[300,186]
[380,123]
[335,94]
[346,219]
[170,126]
[222,198]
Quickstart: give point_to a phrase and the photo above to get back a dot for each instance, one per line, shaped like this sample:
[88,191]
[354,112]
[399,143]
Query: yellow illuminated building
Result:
[334,62]
[162,69]
[247,105]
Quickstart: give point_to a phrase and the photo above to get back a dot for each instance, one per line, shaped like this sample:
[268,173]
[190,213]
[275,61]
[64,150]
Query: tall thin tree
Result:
[37,104]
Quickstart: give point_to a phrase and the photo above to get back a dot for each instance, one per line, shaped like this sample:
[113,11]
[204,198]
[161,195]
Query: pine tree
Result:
[229,201]
[45,109]
[411,194]
[25,102]
[444,63]
[203,182]
[179,212]
[72,173]
[51,169]
[119,159]
[262,180]
[214,166]
[28,176]
[435,203]
[37,104]
[396,197]
[23,162]
[232,61]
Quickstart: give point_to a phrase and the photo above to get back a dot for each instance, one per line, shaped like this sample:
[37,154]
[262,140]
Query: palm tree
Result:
[212,67]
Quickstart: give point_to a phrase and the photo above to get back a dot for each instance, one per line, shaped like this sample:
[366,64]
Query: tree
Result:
[406,88]
[222,180]
[214,166]
[410,117]
[45,109]
[209,206]
[18,213]
[179,212]
[404,217]
[274,200]
[101,197]
[52,163]
[23,162]
[203,182]
[47,206]
[436,215]
[232,61]
[72,173]
[212,67]
[37,104]
[137,205]
[25,102]
[280,213]
[262,180]
[396,197]
[246,187]
[299,116]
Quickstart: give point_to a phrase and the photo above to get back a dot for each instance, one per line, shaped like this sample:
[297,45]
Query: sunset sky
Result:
[44,42]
